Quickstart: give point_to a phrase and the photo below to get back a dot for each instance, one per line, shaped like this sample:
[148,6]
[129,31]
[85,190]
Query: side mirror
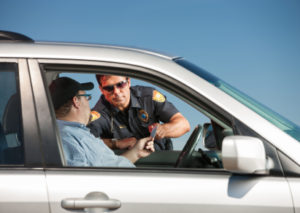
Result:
[244,155]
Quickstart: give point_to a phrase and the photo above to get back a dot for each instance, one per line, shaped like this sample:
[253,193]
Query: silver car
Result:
[241,157]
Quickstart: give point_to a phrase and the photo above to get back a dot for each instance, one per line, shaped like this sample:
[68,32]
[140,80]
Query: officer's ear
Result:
[128,82]
[100,87]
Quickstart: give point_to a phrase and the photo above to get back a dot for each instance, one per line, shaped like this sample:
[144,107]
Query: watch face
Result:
[114,143]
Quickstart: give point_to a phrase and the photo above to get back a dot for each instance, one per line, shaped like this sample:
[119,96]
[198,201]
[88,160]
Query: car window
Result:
[275,118]
[200,148]
[201,131]
[190,113]
[11,142]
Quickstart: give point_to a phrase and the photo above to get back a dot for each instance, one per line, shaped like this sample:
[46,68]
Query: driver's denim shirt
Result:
[81,148]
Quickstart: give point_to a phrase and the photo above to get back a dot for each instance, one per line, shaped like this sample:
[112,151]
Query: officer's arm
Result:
[176,127]
[175,124]
[126,143]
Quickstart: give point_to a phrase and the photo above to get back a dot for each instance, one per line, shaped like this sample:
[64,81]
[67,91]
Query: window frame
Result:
[32,155]
[32,148]
[152,76]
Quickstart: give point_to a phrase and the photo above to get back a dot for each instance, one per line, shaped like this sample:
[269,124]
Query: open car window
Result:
[199,148]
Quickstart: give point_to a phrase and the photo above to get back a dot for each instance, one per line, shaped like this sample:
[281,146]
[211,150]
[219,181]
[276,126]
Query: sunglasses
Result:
[88,96]
[119,85]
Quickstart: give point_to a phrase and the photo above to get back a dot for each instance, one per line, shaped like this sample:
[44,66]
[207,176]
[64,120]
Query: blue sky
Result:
[253,45]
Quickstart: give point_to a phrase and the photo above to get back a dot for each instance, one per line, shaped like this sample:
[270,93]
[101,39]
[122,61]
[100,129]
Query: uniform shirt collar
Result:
[134,103]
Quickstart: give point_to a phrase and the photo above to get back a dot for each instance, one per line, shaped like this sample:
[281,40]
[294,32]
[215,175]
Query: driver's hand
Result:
[144,147]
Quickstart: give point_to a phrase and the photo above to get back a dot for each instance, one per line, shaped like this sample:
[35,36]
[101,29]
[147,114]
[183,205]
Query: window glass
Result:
[276,119]
[191,114]
[11,144]
[201,146]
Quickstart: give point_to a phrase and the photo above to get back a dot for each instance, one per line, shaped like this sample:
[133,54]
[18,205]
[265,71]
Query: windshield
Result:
[276,119]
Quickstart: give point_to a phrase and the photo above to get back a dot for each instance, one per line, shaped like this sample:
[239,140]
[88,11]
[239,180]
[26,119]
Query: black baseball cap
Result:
[64,89]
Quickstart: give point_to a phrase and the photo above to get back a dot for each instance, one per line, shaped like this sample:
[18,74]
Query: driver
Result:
[124,114]
[81,148]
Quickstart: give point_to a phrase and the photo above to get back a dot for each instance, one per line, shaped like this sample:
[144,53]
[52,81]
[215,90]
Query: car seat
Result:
[12,126]
[3,144]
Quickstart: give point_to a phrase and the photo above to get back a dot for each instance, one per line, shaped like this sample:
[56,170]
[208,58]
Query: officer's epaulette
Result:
[142,91]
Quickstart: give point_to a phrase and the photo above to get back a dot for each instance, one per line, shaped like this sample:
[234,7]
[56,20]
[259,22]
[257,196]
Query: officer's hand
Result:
[160,132]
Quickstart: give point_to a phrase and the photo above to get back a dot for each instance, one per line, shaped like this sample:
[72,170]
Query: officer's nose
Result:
[116,90]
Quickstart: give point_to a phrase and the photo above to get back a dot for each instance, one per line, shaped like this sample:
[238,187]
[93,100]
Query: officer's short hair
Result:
[99,77]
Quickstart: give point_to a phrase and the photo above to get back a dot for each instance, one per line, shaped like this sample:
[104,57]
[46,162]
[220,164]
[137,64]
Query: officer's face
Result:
[116,90]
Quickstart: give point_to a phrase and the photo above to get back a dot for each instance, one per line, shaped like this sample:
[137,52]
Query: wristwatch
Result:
[114,143]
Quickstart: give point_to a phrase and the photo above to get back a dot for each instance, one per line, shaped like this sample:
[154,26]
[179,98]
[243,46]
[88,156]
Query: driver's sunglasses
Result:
[119,85]
[88,96]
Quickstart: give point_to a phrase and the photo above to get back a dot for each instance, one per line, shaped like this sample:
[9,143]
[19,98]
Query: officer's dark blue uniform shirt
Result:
[147,106]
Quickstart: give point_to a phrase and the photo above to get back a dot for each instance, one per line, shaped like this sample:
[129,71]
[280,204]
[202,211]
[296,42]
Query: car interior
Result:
[14,153]
[11,137]
[199,148]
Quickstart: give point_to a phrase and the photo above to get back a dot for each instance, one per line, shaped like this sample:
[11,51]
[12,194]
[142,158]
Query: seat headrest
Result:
[12,115]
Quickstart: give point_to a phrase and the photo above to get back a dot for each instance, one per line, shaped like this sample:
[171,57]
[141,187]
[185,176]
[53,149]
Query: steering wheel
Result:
[189,147]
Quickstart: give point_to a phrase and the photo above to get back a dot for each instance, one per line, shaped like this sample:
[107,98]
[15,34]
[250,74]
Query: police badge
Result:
[143,116]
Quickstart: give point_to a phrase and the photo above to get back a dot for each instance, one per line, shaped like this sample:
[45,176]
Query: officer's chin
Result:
[119,102]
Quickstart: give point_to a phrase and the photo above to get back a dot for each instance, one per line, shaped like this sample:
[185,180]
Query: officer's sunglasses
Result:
[88,96]
[119,85]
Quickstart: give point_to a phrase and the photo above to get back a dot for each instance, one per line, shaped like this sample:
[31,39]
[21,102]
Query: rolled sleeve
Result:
[165,110]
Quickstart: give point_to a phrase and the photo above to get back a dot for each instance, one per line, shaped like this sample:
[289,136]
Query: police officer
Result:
[123,114]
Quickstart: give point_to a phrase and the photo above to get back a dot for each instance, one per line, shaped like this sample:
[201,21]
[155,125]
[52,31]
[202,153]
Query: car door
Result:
[170,191]
[158,189]
[22,181]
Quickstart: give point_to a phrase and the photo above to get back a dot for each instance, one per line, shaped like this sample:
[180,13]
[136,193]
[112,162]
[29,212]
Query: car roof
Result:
[64,50]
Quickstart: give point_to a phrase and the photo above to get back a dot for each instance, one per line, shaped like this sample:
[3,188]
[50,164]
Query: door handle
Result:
[91,202]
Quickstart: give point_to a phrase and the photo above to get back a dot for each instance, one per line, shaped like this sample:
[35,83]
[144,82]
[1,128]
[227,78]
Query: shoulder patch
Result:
[157,96]
[94,116]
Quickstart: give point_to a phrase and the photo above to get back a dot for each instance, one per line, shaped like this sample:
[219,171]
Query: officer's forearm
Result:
[109,142]
[120,144]
[176,127]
